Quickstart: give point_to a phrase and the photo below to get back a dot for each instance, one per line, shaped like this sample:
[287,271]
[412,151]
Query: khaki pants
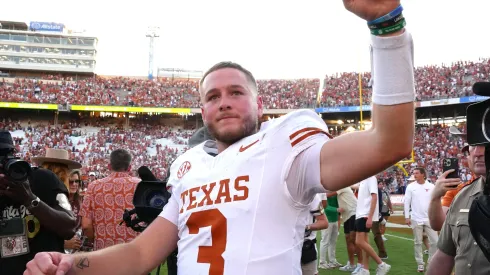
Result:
[329,243]
[418,230]
[309,268]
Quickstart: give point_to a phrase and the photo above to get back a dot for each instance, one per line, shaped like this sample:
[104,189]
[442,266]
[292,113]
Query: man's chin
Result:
[230,137]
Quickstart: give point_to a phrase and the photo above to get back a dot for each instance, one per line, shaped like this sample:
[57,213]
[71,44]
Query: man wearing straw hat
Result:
[35,209]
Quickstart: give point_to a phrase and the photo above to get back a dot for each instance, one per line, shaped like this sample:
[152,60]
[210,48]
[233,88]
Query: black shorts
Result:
[361,225]
[350,225]
[385,214]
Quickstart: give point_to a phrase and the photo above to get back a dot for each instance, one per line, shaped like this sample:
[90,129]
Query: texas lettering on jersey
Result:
[222,196]
[223,204]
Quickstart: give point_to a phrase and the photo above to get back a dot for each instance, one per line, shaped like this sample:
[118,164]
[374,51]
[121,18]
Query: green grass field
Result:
[400,254]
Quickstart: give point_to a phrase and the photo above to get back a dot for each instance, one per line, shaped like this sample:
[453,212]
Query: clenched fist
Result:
[371,9]
[50,263]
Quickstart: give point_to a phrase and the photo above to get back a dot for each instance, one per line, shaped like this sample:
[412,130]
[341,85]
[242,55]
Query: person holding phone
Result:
[417,199]
[446,188]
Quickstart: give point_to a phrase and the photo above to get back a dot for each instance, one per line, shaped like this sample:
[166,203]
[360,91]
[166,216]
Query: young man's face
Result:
[231,108]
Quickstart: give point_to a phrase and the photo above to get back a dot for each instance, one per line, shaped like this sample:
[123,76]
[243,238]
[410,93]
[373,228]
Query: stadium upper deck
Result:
[41,47]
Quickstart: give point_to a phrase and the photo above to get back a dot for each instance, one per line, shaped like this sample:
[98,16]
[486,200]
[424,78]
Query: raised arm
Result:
[390,138]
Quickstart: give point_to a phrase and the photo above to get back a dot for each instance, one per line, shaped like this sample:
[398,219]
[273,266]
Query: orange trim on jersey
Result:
[310,131]
[293,135]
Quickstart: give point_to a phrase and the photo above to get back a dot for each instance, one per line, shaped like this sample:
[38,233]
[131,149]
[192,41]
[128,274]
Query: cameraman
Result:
[456,246]
[37,214]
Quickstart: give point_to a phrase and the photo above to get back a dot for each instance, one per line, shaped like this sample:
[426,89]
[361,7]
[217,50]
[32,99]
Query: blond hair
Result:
[61,170]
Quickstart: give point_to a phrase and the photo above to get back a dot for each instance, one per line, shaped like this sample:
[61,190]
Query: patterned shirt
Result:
[104,203]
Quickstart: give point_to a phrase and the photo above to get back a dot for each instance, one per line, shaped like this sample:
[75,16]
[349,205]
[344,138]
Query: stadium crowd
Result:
[91,141]
[432,82]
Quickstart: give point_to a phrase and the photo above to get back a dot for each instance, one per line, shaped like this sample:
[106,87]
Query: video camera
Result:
[478,134]
[478,117]
[150,196]
[16,169]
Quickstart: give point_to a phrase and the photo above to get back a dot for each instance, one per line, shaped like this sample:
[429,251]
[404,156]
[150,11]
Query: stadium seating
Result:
[432,82]
[91,142]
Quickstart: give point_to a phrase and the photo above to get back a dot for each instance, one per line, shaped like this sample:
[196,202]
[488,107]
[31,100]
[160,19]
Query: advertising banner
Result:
[46,27]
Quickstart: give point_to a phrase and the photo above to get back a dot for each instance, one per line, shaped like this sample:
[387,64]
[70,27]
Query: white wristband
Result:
[392,69]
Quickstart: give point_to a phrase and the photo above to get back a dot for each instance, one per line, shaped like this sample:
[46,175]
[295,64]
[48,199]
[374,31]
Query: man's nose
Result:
[224,103]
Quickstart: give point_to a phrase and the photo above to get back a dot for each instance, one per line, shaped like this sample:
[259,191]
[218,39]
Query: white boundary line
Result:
[403,238]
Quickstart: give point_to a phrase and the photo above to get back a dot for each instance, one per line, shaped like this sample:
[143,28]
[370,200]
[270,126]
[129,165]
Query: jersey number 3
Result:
[210,254]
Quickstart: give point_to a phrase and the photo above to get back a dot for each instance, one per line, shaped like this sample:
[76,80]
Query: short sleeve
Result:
[323,196]
[372,185]
[171,210]
[445,242]
[46,185]
[88,202]
[303,181]
[316,207]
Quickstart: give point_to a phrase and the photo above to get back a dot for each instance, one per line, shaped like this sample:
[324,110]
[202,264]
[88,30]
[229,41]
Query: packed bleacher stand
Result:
[163,92]
[432,82]
[91,142]
[431,145]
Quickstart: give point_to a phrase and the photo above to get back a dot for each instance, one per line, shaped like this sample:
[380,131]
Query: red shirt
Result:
[104,203]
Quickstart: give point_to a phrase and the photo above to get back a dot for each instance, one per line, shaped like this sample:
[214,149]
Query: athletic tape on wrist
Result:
[392,69]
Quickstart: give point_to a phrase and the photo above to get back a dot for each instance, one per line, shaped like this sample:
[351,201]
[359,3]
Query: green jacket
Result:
[331,209]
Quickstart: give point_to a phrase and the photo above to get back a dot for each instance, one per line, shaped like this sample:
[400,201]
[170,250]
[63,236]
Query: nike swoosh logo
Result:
[243,148]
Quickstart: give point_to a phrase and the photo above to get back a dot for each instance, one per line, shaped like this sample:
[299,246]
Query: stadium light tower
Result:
[152,33]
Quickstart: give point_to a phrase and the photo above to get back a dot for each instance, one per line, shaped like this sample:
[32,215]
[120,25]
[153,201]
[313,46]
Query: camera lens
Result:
[17,170]
[156,199]
[485,124]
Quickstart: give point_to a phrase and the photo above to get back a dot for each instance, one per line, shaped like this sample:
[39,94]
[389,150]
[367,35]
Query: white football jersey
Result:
[235,212]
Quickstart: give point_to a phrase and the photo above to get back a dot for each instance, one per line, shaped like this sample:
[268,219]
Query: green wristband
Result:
[400,25]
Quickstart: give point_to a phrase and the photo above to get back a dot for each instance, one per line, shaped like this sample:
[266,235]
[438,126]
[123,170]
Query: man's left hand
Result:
[18,192]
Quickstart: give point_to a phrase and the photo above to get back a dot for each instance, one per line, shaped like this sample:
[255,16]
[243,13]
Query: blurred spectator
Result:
[104,203]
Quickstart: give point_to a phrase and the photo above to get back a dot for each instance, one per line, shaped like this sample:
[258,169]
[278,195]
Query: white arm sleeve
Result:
[63,201]
[171,211]
[303,181]
[392,72]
